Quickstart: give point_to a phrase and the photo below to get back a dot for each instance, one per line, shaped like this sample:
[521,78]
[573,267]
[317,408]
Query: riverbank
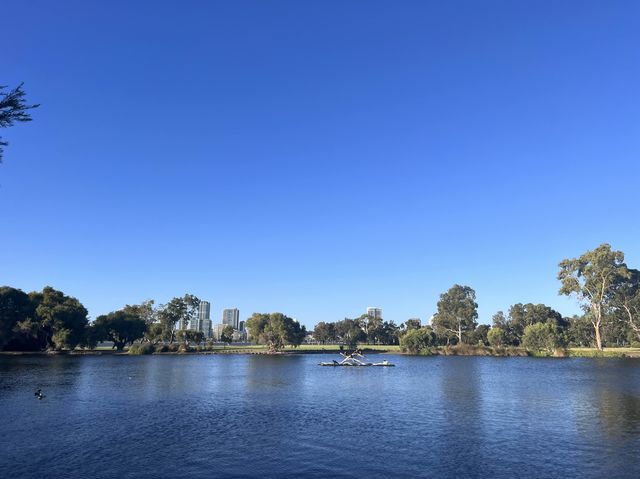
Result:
[463,350]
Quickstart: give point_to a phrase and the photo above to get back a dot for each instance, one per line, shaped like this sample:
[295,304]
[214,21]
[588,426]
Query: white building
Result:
[374,313]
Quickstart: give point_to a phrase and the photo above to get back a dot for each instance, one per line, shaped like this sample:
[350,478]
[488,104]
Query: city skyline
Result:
[255,155]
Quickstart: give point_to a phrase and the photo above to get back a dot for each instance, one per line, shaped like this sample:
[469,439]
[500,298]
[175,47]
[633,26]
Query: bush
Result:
[417,341]
[496,337]
[541,337]
[142,348]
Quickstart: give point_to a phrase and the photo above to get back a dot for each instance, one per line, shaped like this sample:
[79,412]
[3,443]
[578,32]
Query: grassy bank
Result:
[605,353]
[462,350]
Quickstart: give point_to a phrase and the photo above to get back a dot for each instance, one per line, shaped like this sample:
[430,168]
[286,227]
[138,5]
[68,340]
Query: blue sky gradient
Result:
[316,158]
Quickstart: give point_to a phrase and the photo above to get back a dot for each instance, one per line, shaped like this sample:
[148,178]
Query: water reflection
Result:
[205,416]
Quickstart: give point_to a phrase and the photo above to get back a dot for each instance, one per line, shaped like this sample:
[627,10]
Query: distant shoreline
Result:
[631,353]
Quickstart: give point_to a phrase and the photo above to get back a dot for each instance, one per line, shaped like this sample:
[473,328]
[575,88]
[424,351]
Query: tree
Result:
[145,311]
[593,278]
[416,341]
[374,330]
[501,322]
[412,324]
[227,334]
[496,337]
[62,319]
[457,313]
[188,336]
[154,333]
[15,307]
[324,332]
[541,337]
[275,330]
[121,327]
[295,333]
[580,331]
[479,335]
[177,312]
[626,300]
[390,333]
[523,315]
[13,108]
[350,331]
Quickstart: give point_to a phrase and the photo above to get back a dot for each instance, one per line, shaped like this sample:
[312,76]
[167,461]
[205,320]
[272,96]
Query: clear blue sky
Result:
[316,158]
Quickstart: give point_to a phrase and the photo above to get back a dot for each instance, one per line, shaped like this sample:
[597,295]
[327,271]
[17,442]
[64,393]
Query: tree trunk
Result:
[459,333]
[597,323]
[598,338]
[633,325]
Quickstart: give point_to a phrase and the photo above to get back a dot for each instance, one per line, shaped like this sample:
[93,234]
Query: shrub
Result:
[417,341]
[541,337]
[496,337]
[142,348]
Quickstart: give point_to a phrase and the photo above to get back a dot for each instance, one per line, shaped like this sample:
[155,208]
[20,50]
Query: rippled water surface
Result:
[258,416]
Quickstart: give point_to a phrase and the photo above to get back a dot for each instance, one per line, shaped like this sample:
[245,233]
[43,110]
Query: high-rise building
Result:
[231,317]
[374,313]
[204,318]
[202,321]
[204,310]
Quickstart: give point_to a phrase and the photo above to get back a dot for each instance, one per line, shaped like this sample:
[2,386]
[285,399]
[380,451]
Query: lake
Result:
[246,416]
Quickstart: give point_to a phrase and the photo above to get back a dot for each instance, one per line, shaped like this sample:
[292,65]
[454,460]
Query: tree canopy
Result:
[593,279]
[457,313]
[122,327]
[275,330]
[13,108]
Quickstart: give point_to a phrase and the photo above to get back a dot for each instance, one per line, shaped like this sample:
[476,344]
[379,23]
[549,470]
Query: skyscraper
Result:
[374,313]
[231,317]
[204,318]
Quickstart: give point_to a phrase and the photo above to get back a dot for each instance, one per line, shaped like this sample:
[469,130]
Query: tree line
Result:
[51,320]
[606,288]
[608,292]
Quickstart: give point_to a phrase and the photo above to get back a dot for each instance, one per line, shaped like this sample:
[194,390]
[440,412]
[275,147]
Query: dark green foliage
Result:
[496,337]
[457,314]
[593,279]
[275,330]
[523,315]
[325,332]
[626,303]
[410,324]
[189,337]
[177,314]
[418,341]
[350,331]
[542,337]
[121,327]
[155,332]
[142,348]
[13,108]
[15,308]
[479,335]
[227,334]
[38,321]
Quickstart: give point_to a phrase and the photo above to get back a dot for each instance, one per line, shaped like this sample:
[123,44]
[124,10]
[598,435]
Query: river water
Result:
[260,416]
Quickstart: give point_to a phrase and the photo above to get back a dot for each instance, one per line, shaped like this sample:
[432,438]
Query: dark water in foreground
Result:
[249,416]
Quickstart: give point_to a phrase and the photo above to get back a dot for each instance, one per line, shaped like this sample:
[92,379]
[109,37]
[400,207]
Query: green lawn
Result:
[605,353]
